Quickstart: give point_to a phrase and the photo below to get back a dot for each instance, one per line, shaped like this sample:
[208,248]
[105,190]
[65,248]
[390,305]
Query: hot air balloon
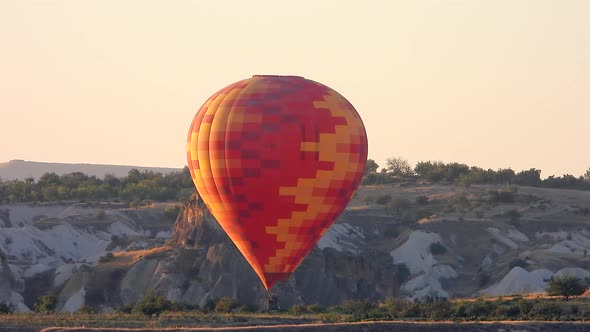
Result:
[276,159]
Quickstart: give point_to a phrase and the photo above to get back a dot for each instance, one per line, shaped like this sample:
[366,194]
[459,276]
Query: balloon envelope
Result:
[276,159]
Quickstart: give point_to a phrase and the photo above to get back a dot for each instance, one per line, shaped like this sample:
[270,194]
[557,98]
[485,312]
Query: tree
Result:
[504,175]
[372,167]
[587,175]
[432,171]
[566,286]
[49,178]
[152,304]
[399,166]
[455,170]
[532,177]
[46,304]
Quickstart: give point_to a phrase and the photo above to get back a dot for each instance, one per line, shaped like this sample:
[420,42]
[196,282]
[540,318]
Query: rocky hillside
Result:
[21,169]
[43,245]
[408,240]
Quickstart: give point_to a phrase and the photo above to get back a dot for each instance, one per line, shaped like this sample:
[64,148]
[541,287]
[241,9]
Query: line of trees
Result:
[51,187]
[429,308]
[462,174]
[136,185]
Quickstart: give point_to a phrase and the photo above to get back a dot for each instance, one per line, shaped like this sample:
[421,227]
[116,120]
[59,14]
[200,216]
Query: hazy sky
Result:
[489,83]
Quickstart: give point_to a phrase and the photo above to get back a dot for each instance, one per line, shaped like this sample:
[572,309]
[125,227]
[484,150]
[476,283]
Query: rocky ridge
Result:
[373,251]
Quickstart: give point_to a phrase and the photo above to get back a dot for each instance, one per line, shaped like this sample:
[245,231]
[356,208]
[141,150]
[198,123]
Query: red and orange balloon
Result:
[276,159]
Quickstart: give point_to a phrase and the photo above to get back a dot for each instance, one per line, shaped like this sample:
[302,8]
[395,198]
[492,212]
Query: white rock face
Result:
[516,235]
[63,274]
[496,233]
[163,234]
[119,228]
[62,243]
[342,237]
[444,272]
[26,213]
[568,247]
[51,247]
[428,284]
[75,302]
[415,252]
[561,235]
[573,271]
[35,269]
[18,303]
[487,262]
[520,281]
[424,285]
[564,243]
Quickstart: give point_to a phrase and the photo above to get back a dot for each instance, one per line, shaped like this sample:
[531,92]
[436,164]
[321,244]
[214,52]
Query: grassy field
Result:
[167,319]
[516,308]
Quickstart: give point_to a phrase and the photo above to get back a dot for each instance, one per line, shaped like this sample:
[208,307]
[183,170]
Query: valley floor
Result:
[380,327]
[491,314]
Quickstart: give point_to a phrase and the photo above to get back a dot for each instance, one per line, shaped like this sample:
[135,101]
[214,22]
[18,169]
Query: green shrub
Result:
[248,308]
[437,309]
[391,232]
[483,279]
[331,317]
[402,273]
[422,200]
[436,248]
[501,196]
[152,304]
[108,257]
[46,304]
[225,304]
[508,312]
[479,309]
[396,308]
[399,204]
[171,212]
[86,309]
[298,309]
[383,199]
[408,219]
[546,310]
[518,262]
[101,214]
[525,306]
[125,309]
[315,308]
[368,199]
[423,213]
[458,203]
[513,214]
[359,309]
[6,308]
